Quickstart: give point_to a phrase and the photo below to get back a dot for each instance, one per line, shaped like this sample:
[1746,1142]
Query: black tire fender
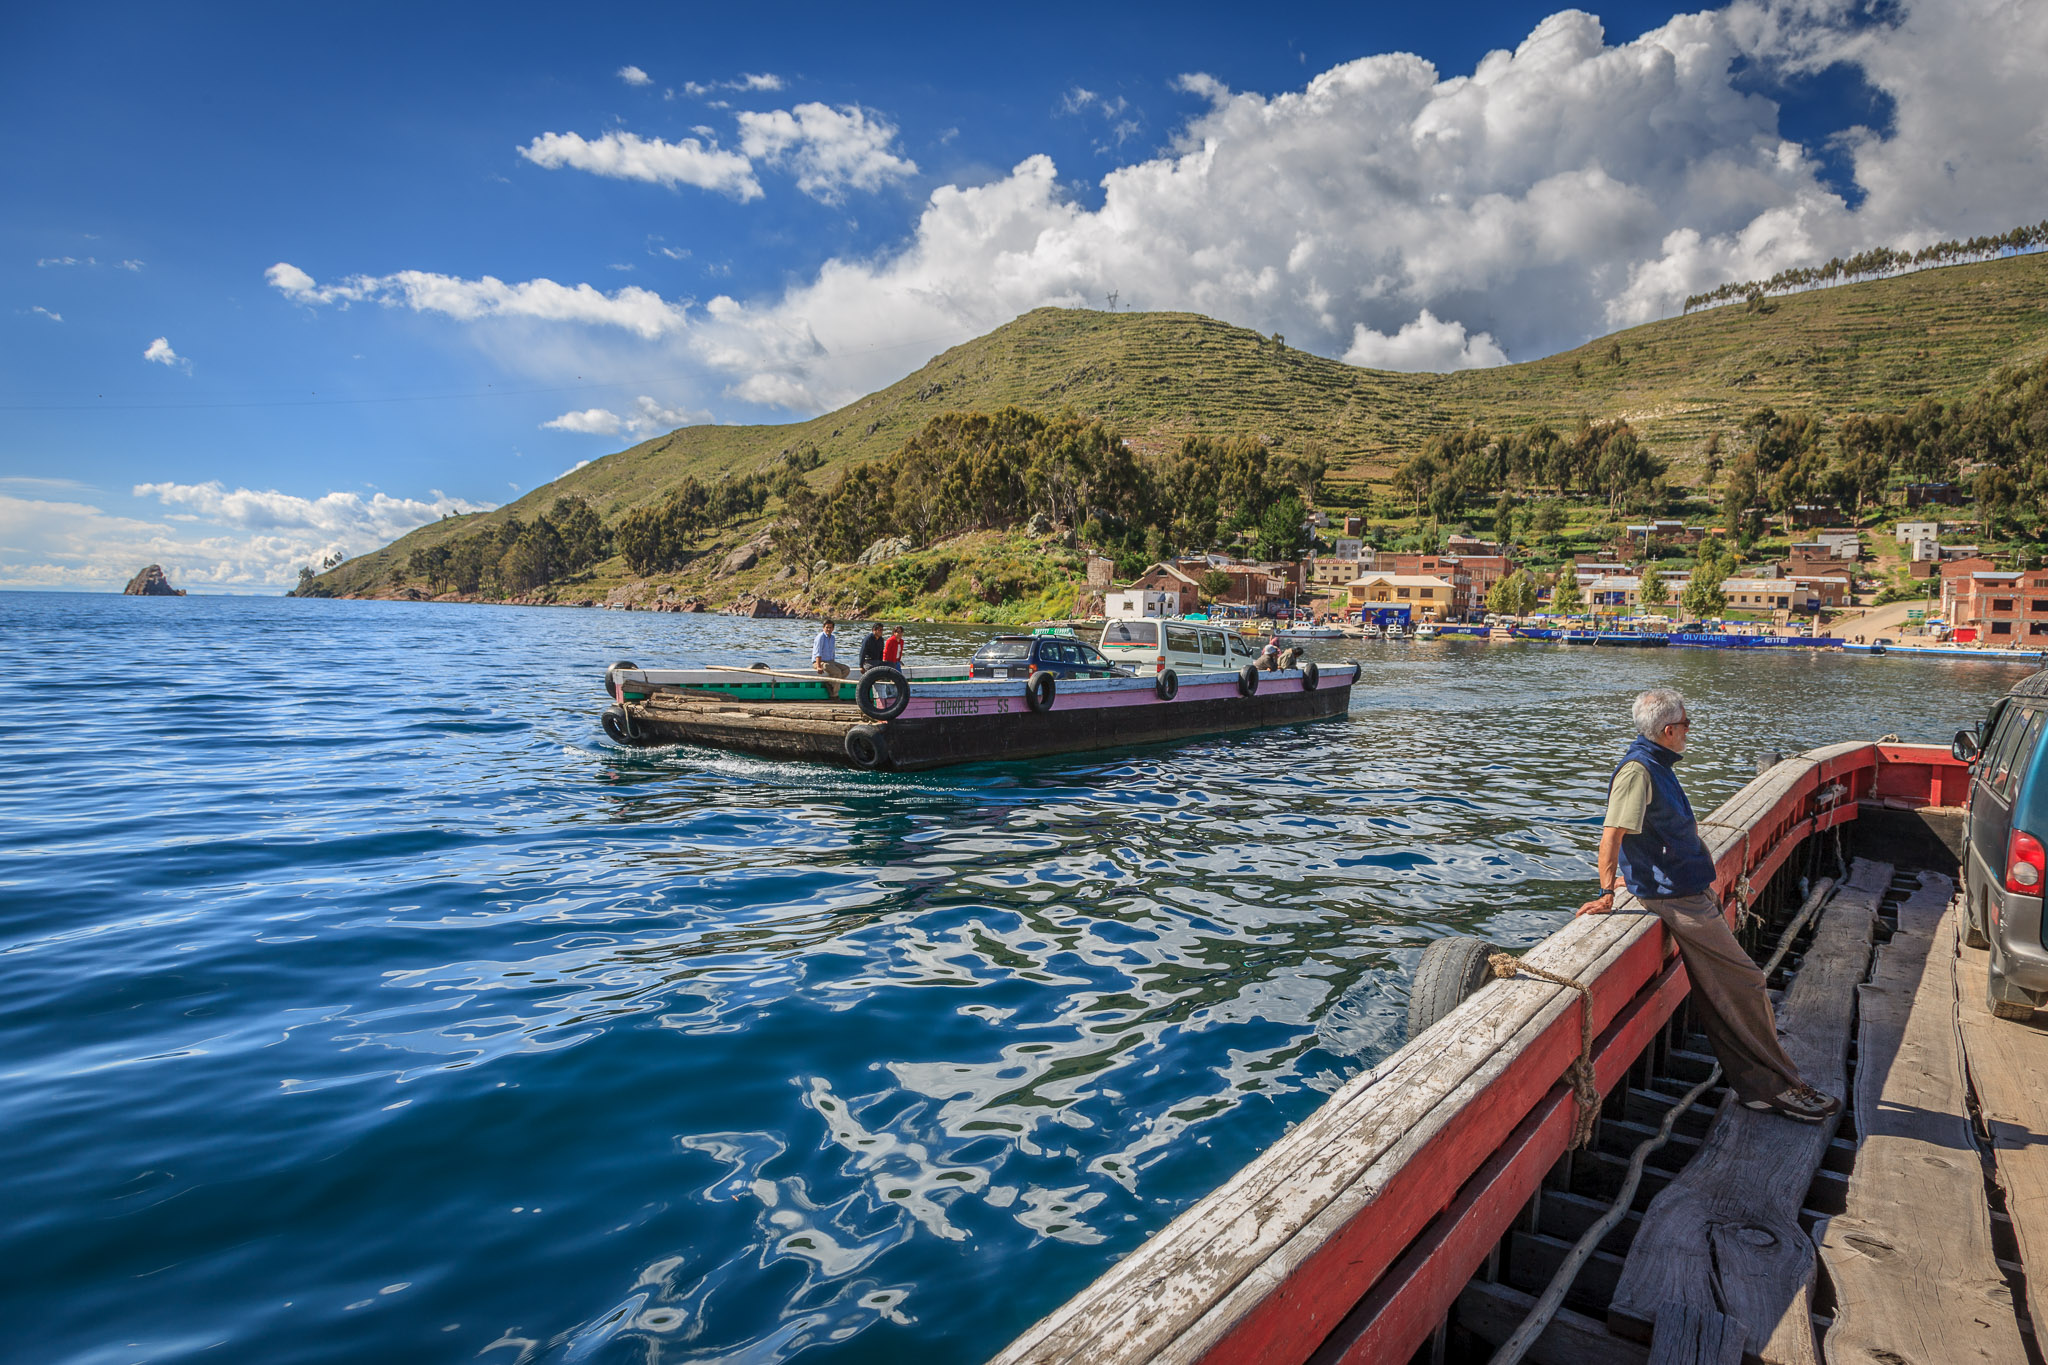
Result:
[899,696]
[1166,686]
[868,747]
[1451,969]
[1310,676]
[623,663]
[1248,679]
[614,722]
[1040,691]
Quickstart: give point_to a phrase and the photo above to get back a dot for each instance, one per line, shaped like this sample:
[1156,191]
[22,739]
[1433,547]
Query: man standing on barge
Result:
[1651,844]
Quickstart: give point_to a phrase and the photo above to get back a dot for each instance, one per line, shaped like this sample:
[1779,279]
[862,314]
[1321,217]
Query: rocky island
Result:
[151,583]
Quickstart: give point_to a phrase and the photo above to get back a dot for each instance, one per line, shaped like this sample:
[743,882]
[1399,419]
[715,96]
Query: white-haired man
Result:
[1651,844]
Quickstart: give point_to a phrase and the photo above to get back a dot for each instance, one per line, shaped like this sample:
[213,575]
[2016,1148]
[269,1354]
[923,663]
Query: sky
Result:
[279,283]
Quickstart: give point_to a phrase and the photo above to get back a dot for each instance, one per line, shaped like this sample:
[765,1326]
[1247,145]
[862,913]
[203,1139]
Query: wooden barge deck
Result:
[963,720]
[1421,1213]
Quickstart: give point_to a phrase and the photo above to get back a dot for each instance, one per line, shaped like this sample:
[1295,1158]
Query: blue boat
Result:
[1714,639]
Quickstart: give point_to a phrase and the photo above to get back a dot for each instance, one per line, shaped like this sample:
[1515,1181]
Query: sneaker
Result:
[1800,1102]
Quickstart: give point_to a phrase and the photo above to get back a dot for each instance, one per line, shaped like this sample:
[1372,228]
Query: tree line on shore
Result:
[1993,443]
[997,471]
[515,556]
[1876,263]
[1604,460]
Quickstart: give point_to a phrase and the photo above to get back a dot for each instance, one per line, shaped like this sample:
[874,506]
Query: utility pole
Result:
[1112,300]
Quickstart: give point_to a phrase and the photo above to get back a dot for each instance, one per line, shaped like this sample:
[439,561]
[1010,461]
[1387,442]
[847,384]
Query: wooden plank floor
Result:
[2008,1067]
[1724,1236]
[1911,1261]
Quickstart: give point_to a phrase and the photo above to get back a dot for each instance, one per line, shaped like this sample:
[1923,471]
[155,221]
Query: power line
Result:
[489,391]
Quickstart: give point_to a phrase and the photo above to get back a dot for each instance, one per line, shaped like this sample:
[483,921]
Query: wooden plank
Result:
[2007,1061]
[1493,1312]
[1911,1259]
[1725,1234]
[1693,1334]
[1399,1139]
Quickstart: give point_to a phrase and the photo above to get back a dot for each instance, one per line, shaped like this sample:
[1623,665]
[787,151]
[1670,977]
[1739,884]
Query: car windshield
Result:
[1131,633]
[1003,652]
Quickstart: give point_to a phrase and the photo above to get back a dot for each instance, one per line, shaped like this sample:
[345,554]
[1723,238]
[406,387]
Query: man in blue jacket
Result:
[1651,844]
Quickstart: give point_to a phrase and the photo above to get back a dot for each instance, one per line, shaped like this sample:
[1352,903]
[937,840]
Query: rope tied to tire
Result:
[1585,1090]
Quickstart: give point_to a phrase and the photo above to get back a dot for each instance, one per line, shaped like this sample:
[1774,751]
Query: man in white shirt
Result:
[825,654]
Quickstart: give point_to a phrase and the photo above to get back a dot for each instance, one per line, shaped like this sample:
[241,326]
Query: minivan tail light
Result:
[1159,665]
[2026,866]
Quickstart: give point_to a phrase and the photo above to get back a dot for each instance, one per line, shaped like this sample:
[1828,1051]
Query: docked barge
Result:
[1463,1202]
[896,720]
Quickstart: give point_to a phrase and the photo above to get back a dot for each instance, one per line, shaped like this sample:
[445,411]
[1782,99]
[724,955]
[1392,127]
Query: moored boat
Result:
[890,720]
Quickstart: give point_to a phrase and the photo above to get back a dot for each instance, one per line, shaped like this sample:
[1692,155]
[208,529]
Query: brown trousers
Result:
[1728,996]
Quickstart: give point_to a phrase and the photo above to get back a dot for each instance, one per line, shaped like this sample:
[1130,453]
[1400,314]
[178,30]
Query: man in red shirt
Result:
[892,648]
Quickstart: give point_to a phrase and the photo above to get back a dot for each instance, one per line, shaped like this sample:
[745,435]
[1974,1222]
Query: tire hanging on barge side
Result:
[1040,691]
[899,696]
[1451,969]
[868,747]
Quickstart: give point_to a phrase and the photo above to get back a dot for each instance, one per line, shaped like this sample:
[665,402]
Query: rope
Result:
[1585,1091]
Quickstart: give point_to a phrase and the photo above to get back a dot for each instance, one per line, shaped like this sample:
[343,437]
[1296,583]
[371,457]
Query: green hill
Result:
[1872,347]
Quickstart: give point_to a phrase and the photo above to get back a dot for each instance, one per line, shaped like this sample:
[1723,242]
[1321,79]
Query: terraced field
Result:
[1871,347]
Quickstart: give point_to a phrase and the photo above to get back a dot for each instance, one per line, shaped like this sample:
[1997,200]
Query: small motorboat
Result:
[1427,631]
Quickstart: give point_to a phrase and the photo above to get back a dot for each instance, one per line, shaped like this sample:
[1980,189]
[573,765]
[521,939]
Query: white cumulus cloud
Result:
[588,422]
[214,537]
[640,311]
[1396,213]
[1424,344]
[633,75]
[830,150]
[627,156]
[648,416]
[159,352]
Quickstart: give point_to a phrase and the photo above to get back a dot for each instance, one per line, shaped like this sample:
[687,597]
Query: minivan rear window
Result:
[1131,633]
[1003,651]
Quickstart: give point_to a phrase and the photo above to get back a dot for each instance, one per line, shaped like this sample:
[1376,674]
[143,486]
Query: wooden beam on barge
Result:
[1911,1260]
[1725,1235]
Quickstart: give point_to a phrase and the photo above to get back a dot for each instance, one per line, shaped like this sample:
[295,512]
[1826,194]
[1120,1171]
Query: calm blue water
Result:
[359,1003]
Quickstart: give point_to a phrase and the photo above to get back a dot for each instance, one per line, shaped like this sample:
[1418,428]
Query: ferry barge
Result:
[1463,1201]
[896,720]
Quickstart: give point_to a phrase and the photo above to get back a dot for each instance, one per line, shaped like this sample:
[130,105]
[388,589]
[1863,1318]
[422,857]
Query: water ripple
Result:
[359,1002]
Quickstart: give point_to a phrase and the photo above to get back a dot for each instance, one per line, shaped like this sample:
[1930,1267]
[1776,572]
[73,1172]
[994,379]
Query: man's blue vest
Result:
[1667,859]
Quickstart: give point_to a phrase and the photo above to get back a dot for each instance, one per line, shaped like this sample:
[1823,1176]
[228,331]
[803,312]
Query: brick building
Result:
[2000,608]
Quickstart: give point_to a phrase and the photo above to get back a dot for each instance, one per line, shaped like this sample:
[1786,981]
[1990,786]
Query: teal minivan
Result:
[2005,830]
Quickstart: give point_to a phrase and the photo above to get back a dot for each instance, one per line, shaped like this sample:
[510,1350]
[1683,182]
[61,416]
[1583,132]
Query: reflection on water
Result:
[358,998]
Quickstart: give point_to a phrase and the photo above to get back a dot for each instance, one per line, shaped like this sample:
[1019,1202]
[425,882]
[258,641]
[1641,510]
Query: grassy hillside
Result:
[1874,347]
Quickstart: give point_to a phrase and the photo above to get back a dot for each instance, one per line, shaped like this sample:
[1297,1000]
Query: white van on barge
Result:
[1149,647]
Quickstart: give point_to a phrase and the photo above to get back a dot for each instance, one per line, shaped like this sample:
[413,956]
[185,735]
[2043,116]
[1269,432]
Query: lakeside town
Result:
[1913,577]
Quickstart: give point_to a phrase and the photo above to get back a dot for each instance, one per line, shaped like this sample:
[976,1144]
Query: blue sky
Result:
[279,283]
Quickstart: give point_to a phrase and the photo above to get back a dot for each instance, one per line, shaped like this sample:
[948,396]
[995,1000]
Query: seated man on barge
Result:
[825,653]
[1650,843]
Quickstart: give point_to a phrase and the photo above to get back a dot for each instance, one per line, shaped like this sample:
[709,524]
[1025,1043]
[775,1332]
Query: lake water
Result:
[361,1003]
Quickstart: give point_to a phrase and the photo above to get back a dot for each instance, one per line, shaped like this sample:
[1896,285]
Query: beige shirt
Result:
[1628,798]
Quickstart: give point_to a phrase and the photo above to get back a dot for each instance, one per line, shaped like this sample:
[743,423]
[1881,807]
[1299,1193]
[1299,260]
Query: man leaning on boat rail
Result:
[1650,843]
